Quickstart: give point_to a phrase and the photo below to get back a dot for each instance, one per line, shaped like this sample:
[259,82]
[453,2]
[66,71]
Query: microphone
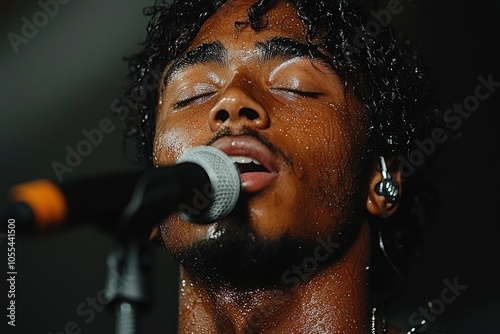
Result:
[204,186]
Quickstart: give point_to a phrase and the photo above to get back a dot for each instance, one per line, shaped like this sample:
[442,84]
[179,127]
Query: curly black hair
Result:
[384,70]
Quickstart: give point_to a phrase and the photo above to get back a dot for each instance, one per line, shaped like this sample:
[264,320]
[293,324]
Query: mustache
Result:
[246,131]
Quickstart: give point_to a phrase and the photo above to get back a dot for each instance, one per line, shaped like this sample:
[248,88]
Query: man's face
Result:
[264,97]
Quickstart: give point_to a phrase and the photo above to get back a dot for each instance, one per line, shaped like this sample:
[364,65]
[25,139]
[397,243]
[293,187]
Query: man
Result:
[315,109]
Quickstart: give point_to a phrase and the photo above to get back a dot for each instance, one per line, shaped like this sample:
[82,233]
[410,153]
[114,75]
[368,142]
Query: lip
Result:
[251,182]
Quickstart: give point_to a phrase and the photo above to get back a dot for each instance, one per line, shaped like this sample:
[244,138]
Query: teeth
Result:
[244,160]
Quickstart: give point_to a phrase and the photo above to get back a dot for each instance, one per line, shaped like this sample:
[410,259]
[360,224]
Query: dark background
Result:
[66,77]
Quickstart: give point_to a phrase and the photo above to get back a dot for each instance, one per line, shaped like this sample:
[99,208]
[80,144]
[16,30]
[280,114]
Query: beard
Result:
[234,255]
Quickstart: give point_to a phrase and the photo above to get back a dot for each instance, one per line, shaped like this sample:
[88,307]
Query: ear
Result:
[377,204]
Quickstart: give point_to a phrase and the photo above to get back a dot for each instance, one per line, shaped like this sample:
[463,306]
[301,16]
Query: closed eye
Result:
[196,98]
[302,93]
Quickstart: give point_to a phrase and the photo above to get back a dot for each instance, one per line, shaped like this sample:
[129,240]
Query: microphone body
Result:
[204,186]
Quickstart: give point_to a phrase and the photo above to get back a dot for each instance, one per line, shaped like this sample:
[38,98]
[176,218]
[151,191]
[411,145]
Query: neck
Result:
[333,300]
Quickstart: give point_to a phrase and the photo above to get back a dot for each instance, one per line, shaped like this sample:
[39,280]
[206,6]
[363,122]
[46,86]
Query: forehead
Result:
[282,20]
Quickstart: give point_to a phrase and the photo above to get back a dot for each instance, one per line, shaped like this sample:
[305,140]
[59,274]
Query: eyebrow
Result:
[283,48]
[287,48]
[273,48]
[213,52]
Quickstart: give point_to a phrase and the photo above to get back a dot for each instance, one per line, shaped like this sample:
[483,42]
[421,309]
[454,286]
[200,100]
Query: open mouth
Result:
[248,165]
[254,175]
[256,163]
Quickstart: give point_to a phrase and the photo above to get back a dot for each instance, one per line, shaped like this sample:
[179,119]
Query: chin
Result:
[233,253]
[242,259]
[264,237]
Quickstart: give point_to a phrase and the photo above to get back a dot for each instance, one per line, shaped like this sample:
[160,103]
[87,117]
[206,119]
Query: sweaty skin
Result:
[293,257]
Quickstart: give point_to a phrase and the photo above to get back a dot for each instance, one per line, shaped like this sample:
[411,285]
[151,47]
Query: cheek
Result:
[323,146]
[318,139]
[169,145]
[173,136]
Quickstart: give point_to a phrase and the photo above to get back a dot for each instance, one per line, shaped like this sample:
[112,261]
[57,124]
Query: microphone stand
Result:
[128,274]
[130,265]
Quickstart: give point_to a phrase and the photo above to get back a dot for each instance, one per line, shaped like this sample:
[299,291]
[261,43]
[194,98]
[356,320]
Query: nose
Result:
[237,108]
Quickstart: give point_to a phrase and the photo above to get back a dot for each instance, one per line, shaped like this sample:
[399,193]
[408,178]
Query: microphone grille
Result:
[225,183]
